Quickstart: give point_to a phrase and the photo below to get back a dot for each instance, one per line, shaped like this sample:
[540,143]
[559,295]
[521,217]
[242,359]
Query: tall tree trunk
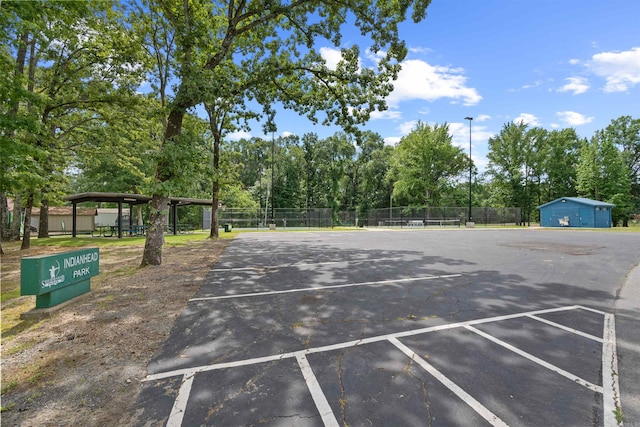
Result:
[18,72]
[159,204]
[215,222]
[4,217]
[43,223]
[159,212]
[26,237]
[215,226]
[14,232]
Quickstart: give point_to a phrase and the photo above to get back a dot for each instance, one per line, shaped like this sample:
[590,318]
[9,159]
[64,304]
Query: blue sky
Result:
[550,63]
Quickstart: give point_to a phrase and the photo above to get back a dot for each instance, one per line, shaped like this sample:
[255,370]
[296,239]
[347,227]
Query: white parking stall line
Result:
[346,344]
[566,328]
[302,264]
[457,390]
[611,388]
[323,288]
[180,404]
[328,418]
[218,366]
[593,310]
[537,360]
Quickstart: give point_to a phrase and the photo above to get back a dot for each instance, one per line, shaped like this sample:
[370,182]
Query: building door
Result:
[586,217]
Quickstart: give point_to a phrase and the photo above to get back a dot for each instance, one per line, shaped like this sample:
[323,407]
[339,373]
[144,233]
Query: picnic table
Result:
[111,230]
[104,230]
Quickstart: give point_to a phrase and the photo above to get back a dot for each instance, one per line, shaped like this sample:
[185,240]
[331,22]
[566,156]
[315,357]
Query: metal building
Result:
[575,212]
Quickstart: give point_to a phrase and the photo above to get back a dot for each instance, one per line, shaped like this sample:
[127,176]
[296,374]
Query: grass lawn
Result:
[10,284]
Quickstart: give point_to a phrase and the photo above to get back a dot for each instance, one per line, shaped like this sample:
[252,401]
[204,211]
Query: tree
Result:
[625,133]
[277,47]
[115,154]
[16,154]
[311,178]
[424,162]
[603,175]
[225,115]
[71,59]
[289,171]
[337,158]
[516,162]
[560,156]
[373,163]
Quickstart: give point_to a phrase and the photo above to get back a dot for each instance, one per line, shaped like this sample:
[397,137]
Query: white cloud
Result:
[406,127]
[479,141]
[420,80]
[375,57]
[392,140]
[482,118]
[420,50]
[387,114]
[528,119]
[577,85]
[572,118]
[534,84]
[238,135]
[574,61]
[286,133]
[459,132]
[331,57]
[621,70]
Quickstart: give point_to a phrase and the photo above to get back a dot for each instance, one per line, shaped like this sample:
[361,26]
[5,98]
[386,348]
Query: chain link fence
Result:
[440,216]
[261,218]
[409,217]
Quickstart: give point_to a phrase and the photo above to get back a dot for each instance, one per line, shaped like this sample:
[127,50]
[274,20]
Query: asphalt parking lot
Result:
[436,327]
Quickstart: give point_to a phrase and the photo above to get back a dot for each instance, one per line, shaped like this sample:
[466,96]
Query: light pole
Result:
[470,164]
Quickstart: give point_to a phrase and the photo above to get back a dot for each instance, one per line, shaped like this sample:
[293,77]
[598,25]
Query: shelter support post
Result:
[119,220]
[174,218]
[74,219]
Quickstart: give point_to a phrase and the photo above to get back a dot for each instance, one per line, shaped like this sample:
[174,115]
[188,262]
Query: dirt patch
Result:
[553,247]
[83,365]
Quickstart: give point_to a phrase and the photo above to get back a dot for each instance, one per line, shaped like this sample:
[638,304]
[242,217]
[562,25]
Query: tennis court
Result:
[459,327]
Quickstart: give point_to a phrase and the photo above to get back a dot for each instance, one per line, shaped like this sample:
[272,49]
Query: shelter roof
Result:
[66,210]
[580,200]
[131,199]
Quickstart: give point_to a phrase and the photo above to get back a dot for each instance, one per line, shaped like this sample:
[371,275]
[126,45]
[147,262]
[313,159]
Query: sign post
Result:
[57,278]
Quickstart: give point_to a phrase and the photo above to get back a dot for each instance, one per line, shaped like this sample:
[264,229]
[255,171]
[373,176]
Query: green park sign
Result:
[56,278]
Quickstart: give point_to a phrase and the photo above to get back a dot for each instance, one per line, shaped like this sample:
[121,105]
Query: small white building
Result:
[109,216]
[61,218]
